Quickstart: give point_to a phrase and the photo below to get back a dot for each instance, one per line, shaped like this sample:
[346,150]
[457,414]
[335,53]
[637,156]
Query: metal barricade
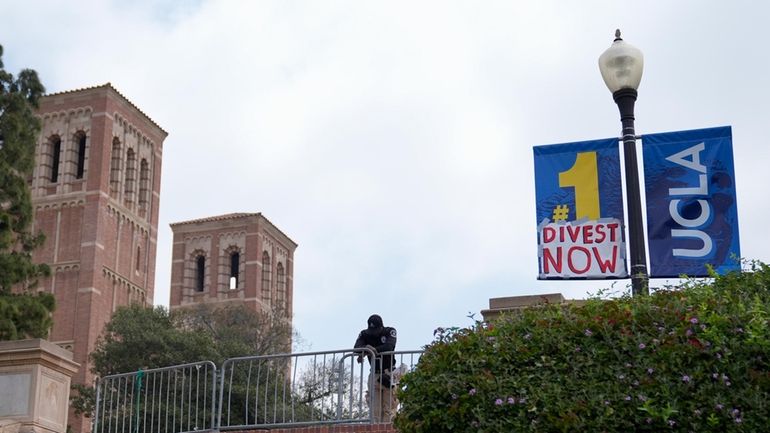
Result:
[173,399]
[300,389]
[292,390]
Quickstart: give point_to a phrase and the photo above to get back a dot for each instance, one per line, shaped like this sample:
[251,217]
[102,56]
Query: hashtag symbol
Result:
[560,212]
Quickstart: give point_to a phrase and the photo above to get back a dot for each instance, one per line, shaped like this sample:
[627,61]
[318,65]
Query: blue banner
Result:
[580,210]
[692,215]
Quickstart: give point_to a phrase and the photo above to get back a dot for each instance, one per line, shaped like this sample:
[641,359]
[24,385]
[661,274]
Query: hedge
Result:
[692,358]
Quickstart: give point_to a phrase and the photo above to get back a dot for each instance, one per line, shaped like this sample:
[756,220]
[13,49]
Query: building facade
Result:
[95,192]
[238,257]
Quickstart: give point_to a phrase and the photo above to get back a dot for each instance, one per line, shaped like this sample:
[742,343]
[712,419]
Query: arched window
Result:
[55,155]
[280,285]
[200,273]
[115,168]
[128,192]
[80,160]
[266,277]
[138,257]
[235,263]
[144,186]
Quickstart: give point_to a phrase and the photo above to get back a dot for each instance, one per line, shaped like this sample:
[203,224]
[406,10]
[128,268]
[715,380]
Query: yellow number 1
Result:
[584,177]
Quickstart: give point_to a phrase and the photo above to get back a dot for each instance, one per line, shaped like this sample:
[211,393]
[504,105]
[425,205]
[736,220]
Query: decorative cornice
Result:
[109,273]
[40,204]
[239,215]
[123,214]
[64,267]
[134,130]
[229,216]
[108,86]
[73,112]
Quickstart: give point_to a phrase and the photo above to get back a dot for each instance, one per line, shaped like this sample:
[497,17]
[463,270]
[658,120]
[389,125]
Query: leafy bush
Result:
[692,358]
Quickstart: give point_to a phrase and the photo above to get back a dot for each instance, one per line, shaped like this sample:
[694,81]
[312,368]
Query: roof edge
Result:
[108,86]
[233,216]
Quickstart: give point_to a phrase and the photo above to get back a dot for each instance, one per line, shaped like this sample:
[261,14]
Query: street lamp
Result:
[621,67]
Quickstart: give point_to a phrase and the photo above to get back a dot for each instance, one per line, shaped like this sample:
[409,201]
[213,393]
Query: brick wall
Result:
[350,428]
[91,236]
[251,234]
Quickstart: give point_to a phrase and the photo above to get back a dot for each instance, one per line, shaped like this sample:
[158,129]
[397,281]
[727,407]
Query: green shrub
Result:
[25,315]
[693,358]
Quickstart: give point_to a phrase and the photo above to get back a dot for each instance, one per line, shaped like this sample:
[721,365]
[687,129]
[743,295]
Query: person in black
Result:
[380,340]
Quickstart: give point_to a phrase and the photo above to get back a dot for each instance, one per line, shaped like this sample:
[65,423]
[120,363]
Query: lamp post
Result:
[621,66]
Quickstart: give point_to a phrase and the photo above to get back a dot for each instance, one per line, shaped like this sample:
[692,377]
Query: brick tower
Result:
[95,191]
[239,257]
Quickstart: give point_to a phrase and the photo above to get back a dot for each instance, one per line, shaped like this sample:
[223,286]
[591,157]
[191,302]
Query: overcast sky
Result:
[393,140]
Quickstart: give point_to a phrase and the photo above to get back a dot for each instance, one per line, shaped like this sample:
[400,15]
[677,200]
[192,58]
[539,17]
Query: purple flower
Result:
[688,332]
[686,379]
[739,330]
[738,420]
[642,398]
[642,346]
[627,398]
[472,391]
[606,402]
[621,376]
[650,370]
[719,406]
[499,402]
[588,333]
[522,400]
[735,412]
[694,320]
[511,400]
[671,422]
[648,420]
[527,336]
[577,349]
[454,396]
[697,412]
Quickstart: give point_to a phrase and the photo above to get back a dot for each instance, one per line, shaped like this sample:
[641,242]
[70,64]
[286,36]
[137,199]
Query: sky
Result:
[393,140]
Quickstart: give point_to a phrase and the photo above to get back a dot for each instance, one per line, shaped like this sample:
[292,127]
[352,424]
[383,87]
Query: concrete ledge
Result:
[35,380]
[525,301]
[512,304]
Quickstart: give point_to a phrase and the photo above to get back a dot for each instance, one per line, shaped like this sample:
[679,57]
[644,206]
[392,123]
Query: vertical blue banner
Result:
[692,214]
[579,210]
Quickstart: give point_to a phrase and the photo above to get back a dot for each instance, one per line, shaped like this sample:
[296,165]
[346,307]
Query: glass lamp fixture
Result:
[621,65]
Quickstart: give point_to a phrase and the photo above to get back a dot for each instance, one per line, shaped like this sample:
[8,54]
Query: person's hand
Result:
[360,357]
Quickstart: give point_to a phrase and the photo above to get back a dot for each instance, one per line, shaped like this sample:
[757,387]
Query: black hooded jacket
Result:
[381,338]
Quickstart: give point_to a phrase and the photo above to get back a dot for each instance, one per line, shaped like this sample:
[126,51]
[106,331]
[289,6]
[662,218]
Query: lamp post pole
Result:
[621,67]
[625,98]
